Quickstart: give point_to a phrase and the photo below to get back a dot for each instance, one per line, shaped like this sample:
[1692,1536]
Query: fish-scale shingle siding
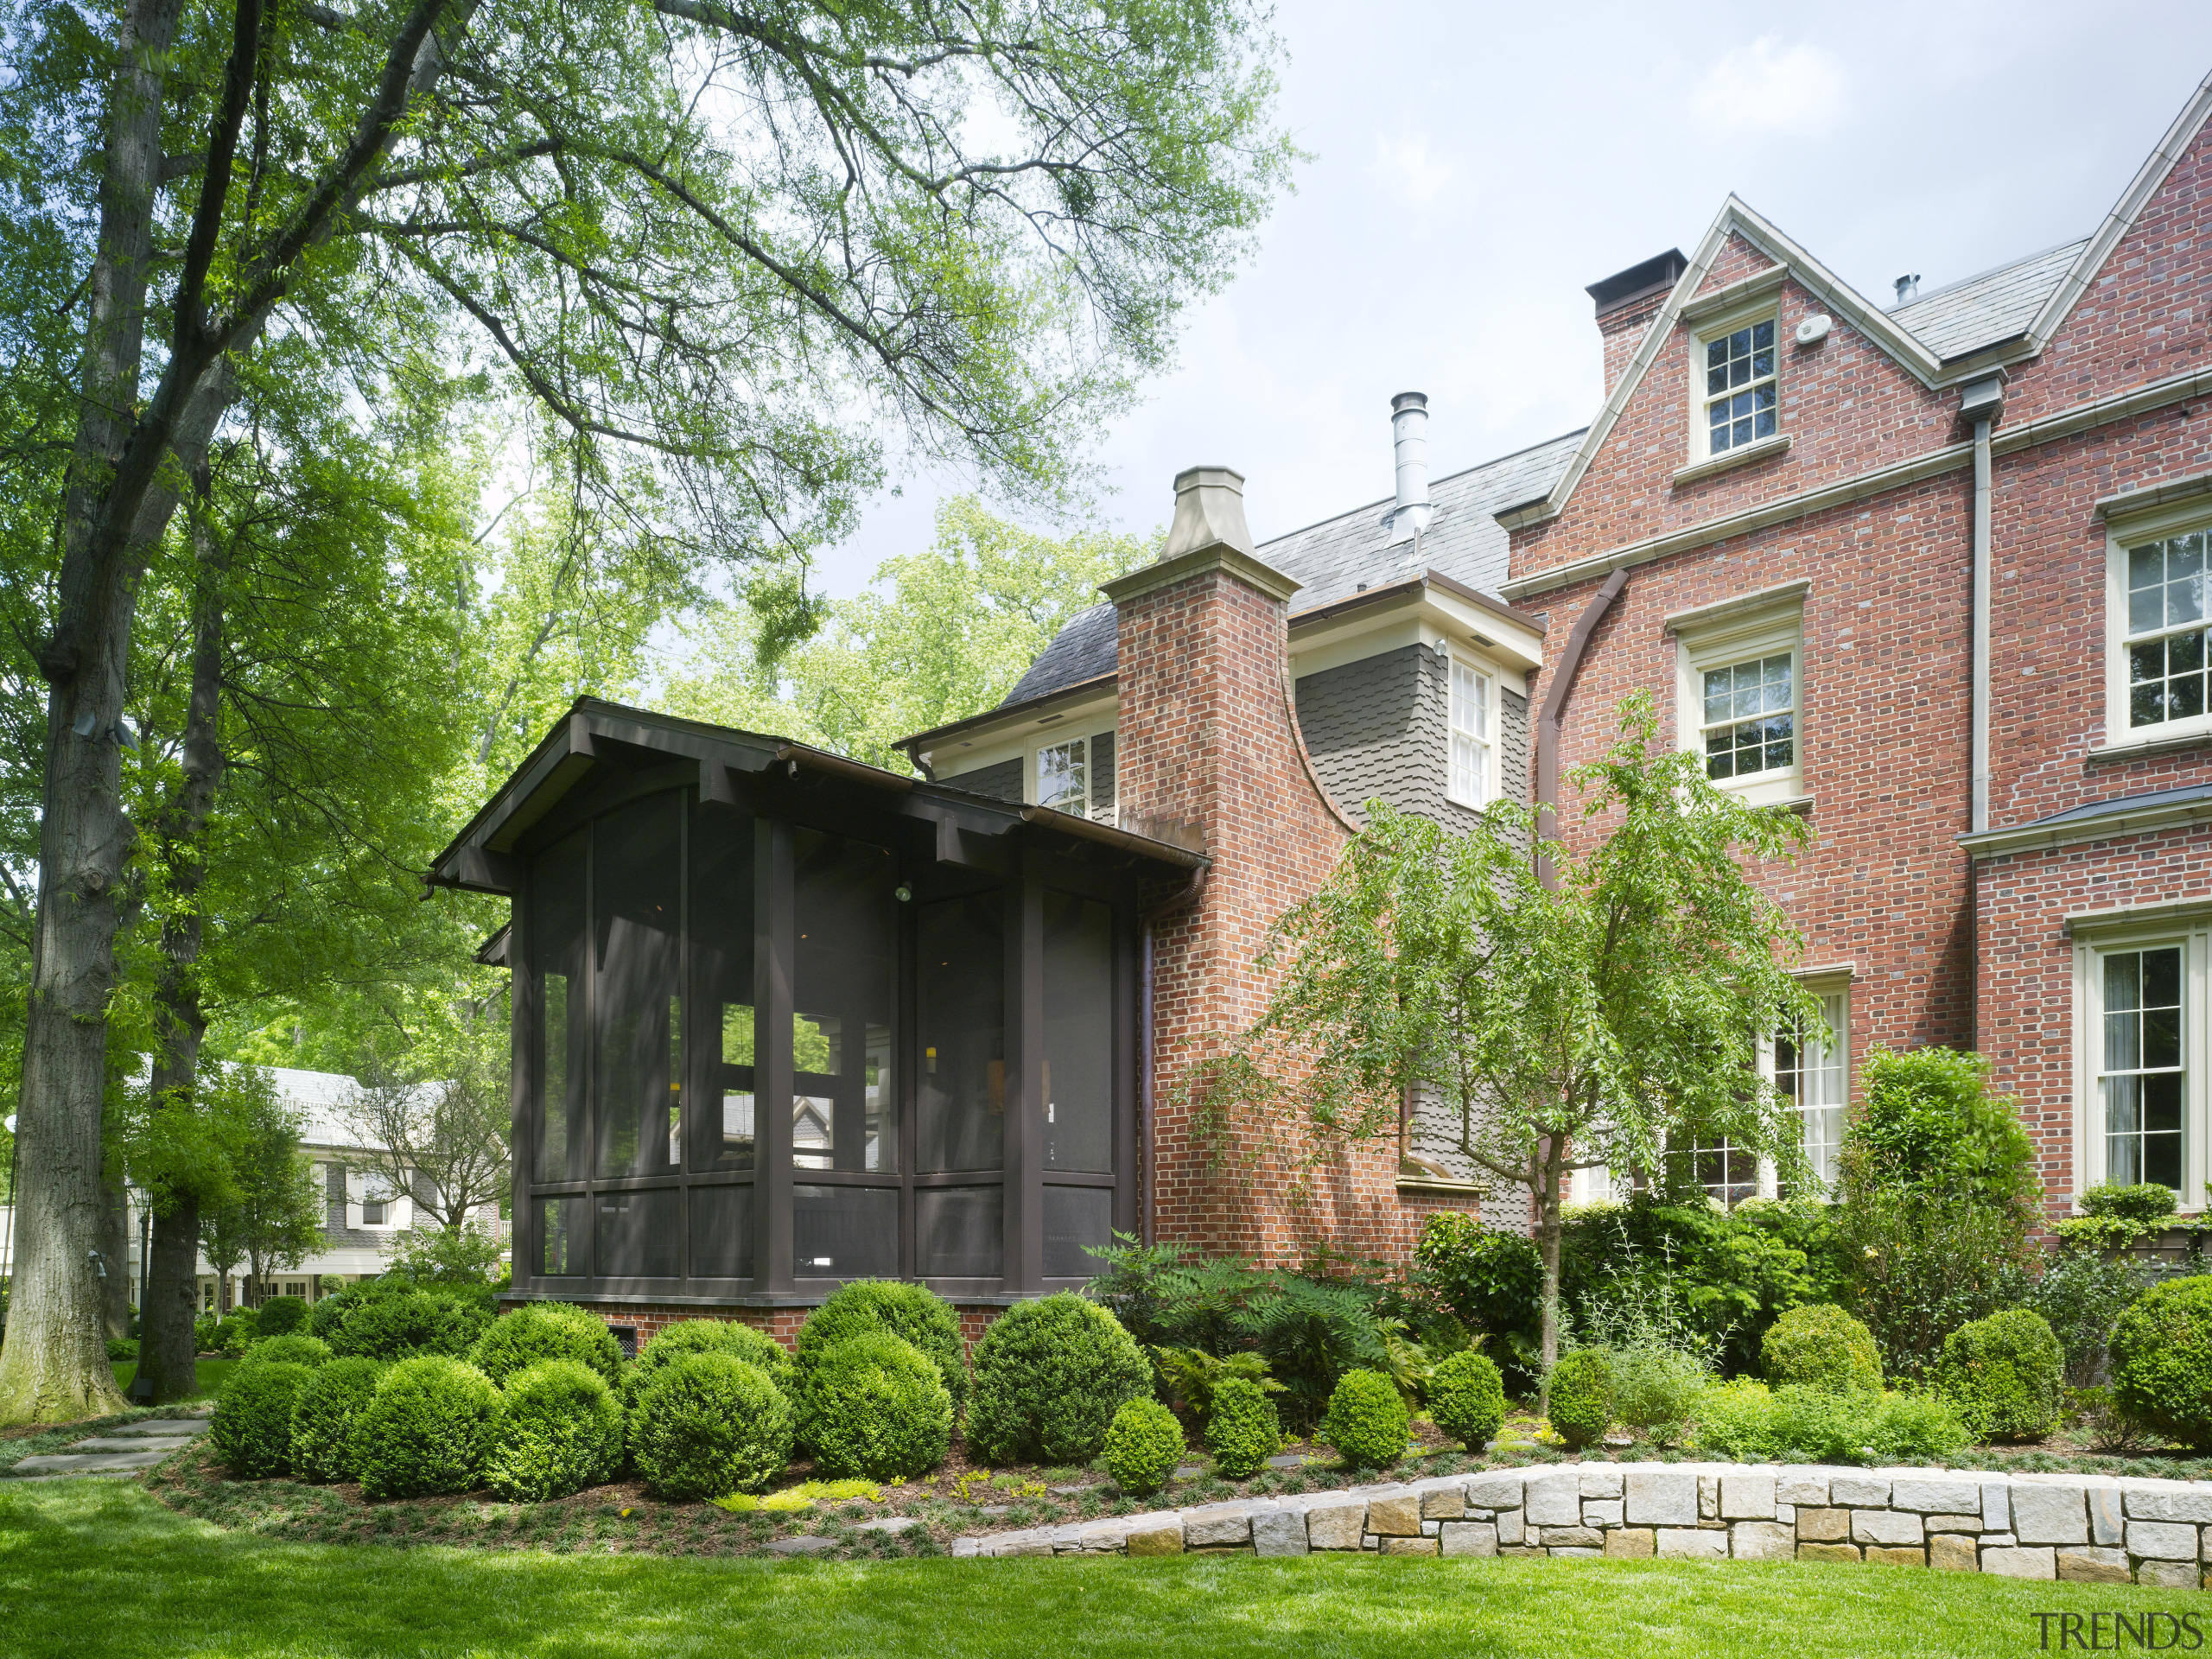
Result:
[1377,728]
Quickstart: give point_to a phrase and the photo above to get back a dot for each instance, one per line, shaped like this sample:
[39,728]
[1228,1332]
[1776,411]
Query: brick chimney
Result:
[1208,752]
[1626,302]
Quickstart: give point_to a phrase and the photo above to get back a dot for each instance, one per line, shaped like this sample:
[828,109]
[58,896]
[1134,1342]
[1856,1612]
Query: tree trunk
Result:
[167,1345]
[114,1253]
[1547,1239]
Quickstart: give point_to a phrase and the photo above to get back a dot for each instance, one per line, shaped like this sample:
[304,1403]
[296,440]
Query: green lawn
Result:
[207,1375]
[97,1567]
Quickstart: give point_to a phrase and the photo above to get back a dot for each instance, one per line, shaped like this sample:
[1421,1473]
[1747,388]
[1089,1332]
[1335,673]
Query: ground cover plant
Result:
[115,1572]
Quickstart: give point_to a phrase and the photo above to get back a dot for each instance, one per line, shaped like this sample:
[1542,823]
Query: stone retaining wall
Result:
[2091,1528]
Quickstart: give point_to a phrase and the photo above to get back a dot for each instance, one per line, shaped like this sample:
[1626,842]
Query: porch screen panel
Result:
[640,1234]
[721,1232]
[722,960]
[1077,1219]
[1078,1034]
[556,933]
[562,1225]
[960,1002]
[845,1232]
[637,901]
[960,1231]
[844,1112]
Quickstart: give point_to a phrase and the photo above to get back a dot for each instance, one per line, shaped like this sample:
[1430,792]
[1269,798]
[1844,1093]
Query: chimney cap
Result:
[1209,511]
[1662,271]
[1406,400]
[1908,288]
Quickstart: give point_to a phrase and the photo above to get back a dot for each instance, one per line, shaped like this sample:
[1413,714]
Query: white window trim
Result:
[398,1208]
[1032,770]
[1741,638]
[1488,790]
[1823,986]
[1762,308]
[2091,945]
[2122,532]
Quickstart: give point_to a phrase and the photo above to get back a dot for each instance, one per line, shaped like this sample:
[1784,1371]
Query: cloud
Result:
[1407,171]
[1767,86]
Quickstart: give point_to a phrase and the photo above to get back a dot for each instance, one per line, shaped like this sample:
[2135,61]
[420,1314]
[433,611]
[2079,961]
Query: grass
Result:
[208,1375]
[99,1568]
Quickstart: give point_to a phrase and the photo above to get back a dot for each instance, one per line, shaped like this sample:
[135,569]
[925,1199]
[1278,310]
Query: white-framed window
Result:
[1063,775]
[2140,1007]
[1811,1067]
[1729,1173]
[1473,760]
[379,1202]
[1739,704]
[1740,389]
[2160,583]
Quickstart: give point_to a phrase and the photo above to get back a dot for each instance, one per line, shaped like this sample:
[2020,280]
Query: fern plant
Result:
[1193,1375]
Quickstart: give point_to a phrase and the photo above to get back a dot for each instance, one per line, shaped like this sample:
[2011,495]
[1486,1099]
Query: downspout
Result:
[1554,709]
[1979,405]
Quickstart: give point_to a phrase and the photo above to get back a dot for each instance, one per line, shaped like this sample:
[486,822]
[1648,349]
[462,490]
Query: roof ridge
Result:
[1510,454]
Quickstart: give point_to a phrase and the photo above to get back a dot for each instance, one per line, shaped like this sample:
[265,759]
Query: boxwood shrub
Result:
[1747,1422]
[1144,1444]
[1822,1347]
[710,1424]
[323,1415]
[2006,1373]
[2162,1360]
[430,1320]
[290,1350]
[539,1331]
[1582,1397]
[1467,1398]
[731,1337]
[253,1420]
[914,1312]
[875,1405]
[1049,1375]
[1243,1431]
[280,1316]
[1366,1420]
[425,1429]
[559,1430]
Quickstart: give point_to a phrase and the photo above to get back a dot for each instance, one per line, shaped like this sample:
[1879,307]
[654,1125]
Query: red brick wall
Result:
[1622,331]
[1205,739]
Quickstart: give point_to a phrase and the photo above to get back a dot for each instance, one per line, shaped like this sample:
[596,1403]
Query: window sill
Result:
[1419,1185]
[1742,457]
[2107,754]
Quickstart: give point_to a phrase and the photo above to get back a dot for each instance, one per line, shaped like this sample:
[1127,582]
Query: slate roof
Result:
[1337,558]
[1981,310]
[2125,803]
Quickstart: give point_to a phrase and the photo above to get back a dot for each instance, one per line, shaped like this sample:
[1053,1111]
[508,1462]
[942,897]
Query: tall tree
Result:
[718,246]
[1559,1027]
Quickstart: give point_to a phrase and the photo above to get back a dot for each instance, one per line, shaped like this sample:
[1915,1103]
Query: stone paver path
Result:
[122,1451]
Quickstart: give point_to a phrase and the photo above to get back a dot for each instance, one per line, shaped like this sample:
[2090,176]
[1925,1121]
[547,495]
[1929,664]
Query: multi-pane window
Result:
[1472,718]
[1750,717]
[1729,1173]
[1739,387]
[1061,771]
[1809,1071]
[376,1201]
[2166,629]
[2142,1077]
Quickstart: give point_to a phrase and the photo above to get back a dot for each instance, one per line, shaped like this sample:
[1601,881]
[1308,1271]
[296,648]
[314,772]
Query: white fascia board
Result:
[1484,631]
[2122,220]
[991,745]
[1427,615]
[1735,218]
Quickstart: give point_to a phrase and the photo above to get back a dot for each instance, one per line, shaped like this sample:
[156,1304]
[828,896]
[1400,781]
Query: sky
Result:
[1474,167]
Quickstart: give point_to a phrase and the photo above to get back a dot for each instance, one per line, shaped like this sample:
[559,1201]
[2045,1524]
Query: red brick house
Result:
[1931,574]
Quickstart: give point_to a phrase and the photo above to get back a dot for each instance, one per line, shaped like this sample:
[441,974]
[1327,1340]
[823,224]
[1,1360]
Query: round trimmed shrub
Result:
[914,1312]
[710,1424]
[2006,1373]
[433,1320]
[1582,1397]
[1467,1398]
[1050,1375]
[875,1405]
[426,1428]
[290,1350]
[1144,1444]
[559,1431]
[2162,1360]
[280,1316]
[1243,1431]
[730,1336]
[323,1416]
[1366,1420]
[1822,1347]
[539,1331]
[253,1420]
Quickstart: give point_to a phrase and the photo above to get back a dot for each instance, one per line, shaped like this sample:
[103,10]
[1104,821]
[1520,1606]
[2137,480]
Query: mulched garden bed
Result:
[959,1500]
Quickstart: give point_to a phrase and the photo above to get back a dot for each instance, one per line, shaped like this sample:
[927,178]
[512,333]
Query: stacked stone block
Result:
[2087,1528]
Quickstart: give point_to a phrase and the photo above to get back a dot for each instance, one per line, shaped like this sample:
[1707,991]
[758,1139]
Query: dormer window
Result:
[1061,771]
[1739,387]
